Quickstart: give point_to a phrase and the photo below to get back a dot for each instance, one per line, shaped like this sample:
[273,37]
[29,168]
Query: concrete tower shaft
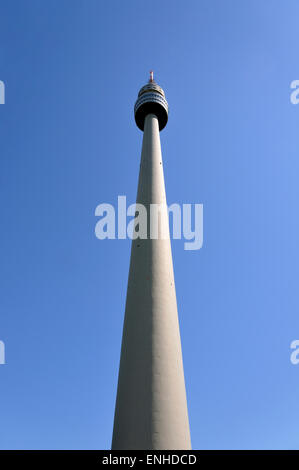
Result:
[151,407]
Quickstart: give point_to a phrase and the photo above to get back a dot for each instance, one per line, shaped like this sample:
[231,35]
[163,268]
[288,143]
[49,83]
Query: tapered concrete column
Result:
[151,407]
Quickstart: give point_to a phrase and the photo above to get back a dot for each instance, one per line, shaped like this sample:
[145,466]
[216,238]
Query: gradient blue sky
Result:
[68,141]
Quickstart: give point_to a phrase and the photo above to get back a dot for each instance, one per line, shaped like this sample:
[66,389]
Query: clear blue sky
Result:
[68,141]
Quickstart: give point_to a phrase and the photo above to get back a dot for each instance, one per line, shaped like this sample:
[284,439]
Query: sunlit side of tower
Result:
[151,406]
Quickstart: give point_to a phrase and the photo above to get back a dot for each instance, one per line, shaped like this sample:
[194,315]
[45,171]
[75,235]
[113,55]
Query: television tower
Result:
[151,407]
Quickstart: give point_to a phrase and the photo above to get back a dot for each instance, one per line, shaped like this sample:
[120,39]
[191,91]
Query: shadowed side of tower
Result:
[151,407]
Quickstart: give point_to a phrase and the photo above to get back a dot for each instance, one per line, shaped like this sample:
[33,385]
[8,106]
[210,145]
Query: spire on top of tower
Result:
[151,76]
